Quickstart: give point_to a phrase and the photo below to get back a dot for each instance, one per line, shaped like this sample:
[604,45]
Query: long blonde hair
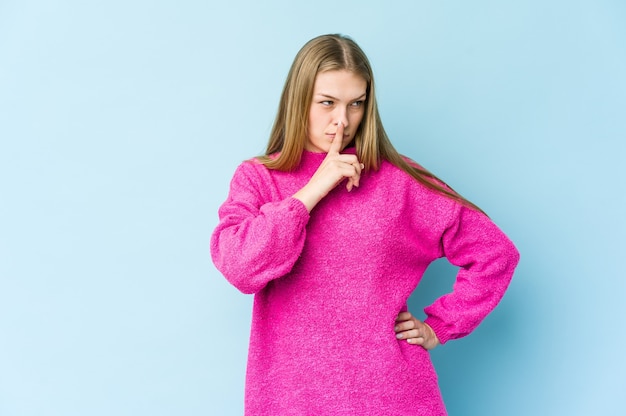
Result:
[287,139]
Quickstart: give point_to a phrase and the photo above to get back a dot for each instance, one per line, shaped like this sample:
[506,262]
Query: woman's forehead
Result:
[339,82]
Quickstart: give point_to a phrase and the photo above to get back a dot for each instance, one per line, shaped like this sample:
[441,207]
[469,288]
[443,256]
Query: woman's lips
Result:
[332,136]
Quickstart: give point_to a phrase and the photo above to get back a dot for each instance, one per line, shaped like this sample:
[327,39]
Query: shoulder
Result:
[254,165]
[250,186]
[411,162]
[413,175]
[250,173]
[418,188]
[257,164]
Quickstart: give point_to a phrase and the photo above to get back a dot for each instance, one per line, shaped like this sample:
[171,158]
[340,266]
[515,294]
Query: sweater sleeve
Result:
[257,239]
[486,259]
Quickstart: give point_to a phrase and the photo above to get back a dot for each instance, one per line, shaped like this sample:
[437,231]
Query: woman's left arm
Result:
[486,259]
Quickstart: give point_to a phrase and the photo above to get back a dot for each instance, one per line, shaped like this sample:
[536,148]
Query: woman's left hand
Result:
[415,331]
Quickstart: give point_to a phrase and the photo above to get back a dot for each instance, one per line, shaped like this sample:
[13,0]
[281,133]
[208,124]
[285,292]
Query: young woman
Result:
[332,231]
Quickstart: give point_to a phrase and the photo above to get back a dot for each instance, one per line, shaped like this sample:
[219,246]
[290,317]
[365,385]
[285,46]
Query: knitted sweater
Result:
[328,286]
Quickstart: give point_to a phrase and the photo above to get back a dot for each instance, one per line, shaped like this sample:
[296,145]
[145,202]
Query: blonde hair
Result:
[288,136]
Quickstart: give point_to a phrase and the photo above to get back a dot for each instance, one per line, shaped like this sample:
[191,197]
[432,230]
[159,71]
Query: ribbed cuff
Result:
[440,329]
[297,206]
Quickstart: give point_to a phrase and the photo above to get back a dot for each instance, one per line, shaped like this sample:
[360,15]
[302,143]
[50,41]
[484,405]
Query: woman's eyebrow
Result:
[337,99]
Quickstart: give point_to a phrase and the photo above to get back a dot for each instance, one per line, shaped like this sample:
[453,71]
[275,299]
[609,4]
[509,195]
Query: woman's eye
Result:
[327,102]
[357,104]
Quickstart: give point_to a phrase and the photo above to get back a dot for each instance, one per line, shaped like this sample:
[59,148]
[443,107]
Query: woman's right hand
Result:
[334,169]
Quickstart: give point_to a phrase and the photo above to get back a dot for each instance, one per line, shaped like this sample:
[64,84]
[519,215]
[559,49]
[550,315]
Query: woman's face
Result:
[338,95]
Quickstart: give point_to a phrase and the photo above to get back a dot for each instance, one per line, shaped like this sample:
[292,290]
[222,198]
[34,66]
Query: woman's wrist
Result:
[308,197]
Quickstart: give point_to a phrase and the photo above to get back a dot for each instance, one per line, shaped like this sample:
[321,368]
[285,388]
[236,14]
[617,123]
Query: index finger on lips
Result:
[335,145]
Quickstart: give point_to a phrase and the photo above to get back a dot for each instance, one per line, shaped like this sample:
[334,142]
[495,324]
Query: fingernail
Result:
[399,336]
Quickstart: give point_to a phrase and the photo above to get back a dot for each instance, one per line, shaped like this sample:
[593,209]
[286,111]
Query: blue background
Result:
[121,123]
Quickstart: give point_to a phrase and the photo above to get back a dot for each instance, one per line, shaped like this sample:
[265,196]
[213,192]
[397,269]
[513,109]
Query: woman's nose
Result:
[342,115]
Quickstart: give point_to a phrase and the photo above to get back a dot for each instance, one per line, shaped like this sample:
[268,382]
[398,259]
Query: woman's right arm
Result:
[257,239]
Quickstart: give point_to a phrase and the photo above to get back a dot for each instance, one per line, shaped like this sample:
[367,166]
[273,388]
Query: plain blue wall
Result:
[121,123]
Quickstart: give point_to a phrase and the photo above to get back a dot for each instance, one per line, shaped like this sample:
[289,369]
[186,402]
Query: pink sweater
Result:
[329,285]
